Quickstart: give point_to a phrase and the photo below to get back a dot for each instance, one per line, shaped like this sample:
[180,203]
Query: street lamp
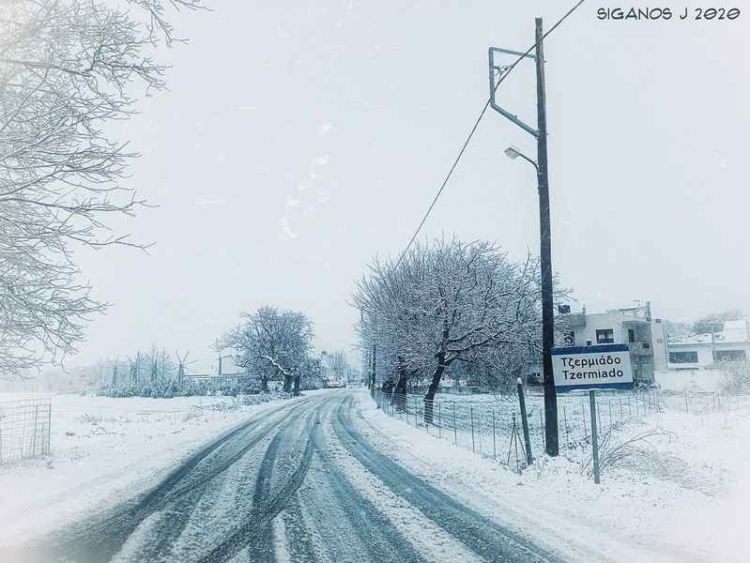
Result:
[513,153]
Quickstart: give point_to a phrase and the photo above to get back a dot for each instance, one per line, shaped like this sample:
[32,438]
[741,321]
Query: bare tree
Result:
[67,70]
[446,302]
[337,364]
[271,344]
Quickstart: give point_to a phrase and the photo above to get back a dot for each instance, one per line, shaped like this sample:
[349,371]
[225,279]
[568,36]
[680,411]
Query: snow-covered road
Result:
[299,482]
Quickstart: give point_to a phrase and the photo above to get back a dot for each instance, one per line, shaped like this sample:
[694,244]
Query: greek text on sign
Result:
[586,367]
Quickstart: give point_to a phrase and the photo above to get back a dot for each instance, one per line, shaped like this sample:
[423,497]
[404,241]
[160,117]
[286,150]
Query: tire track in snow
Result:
[480,534]
[99,538]
[250,532]
[377,539]
[299,538]
[432,542]
[262,550]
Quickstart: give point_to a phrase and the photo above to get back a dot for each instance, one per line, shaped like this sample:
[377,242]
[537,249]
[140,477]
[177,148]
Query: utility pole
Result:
[540,133]
[548,326]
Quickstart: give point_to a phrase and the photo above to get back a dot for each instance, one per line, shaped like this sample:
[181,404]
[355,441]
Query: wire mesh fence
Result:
[492,427]
[24,429]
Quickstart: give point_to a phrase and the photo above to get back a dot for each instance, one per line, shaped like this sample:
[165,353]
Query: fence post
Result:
[514,444]
[33,436]
[424,415]
[494,443]
[455,429]
[594,438]
[471,411]
[541,428]
[440,423]
[524,421]
[49,428]
[479,428]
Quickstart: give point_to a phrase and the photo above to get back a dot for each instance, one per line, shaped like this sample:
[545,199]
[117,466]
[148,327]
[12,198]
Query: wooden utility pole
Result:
[540,134]
[548,327]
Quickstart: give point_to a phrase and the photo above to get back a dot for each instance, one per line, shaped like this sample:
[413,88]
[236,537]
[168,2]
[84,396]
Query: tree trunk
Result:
[264,384]
[296,386]
[429,398]
[287,384]
[399,392]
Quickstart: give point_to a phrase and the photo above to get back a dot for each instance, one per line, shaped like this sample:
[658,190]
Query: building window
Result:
[631,335]
[605,336]
[730,356]
[683,357]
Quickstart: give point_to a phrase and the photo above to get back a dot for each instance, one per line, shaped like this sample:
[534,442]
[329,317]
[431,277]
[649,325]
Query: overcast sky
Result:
[300,139]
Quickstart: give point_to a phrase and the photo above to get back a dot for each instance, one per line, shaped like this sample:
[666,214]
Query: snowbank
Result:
[106,449]
[683,497]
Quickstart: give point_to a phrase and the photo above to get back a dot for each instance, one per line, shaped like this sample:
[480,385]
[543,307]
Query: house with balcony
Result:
[633,326]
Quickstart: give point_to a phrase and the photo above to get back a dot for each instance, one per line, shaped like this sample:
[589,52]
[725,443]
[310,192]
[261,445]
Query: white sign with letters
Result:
[592,367]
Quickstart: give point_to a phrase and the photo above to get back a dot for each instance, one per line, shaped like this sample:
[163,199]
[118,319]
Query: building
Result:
[702,350]
[632,326]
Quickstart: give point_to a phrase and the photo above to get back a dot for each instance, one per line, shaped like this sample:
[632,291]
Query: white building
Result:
[632,326]
[702,350]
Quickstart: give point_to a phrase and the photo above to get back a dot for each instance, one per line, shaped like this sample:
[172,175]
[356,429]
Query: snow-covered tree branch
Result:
[68,68]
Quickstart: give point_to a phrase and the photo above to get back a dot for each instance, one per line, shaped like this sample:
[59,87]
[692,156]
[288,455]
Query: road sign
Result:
[604,366]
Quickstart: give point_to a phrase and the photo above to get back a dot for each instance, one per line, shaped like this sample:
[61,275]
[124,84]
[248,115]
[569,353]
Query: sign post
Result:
[605,366]
[594,437]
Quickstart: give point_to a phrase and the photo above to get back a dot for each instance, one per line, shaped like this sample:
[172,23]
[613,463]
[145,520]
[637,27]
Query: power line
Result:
[476,125]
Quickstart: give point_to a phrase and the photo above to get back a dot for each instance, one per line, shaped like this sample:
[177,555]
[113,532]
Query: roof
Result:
[735,332]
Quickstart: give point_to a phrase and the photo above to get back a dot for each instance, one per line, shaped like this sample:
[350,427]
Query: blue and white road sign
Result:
[603,366]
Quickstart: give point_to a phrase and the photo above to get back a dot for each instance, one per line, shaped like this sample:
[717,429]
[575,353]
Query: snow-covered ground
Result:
[680,493]
[705,380]
[104,448]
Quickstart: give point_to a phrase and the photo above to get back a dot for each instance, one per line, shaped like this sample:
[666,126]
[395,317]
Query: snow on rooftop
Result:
[734,331]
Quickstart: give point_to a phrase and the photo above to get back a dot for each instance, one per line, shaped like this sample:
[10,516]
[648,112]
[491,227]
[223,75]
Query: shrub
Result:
[736,376]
